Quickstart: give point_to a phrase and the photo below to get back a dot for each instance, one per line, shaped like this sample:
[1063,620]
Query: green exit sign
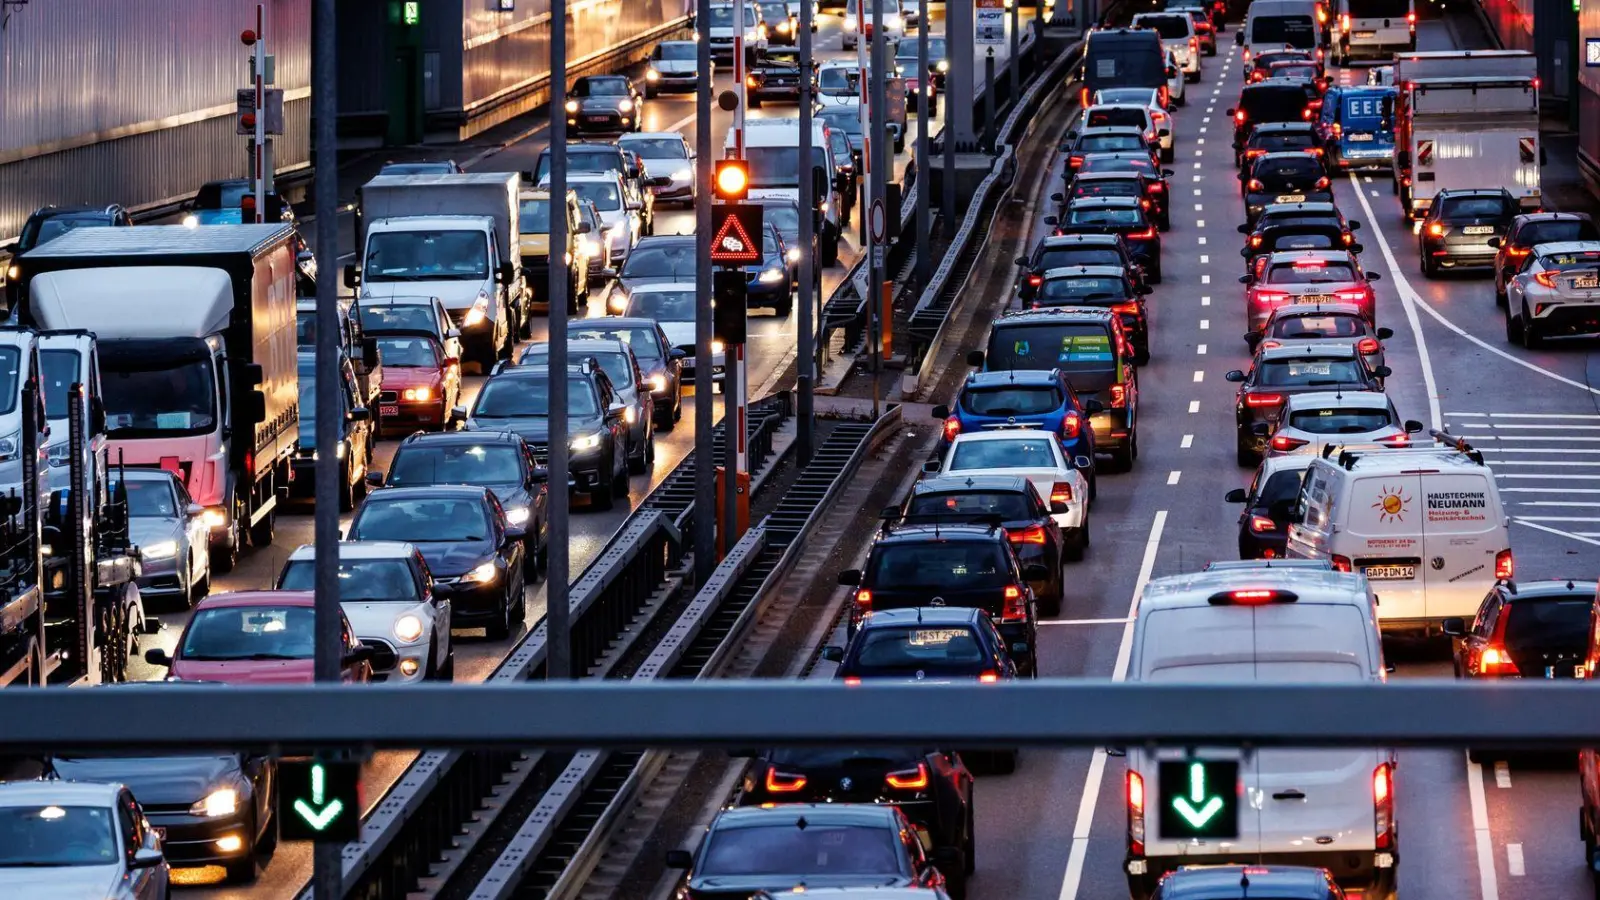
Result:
[1198,798]
[319,801]
[411,12]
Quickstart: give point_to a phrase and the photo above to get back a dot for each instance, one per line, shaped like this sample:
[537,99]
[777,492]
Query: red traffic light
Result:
[248,37]
[247,120]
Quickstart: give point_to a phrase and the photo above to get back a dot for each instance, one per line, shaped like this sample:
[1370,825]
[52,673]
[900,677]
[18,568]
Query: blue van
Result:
[1357,127]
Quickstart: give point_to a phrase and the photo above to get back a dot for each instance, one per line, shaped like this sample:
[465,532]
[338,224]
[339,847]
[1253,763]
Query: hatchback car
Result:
[623,370]
[1151,194]
[1461,226]
[1307,276]
[1527,231]
[671,305]
[1321,213]
[79,839]
[1142,163]
[1277,137]
[1010,499]
[1528,629]
[1269,506]
[1280,100]
[1321,323]
[353,435]
[606,103]
[1277,374]
[673,66]
[1106,139]
[1291,176]
[1106,287]
[1060,482]
[1557,292]
[660,363]
[1066,250]
[1311,423]
[1121,216]
[1305,235]
[1133,115]
[257,637]
[1026,399]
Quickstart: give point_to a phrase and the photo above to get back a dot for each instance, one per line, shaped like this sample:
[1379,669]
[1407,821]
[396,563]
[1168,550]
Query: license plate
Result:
[1314,298]
[1291,198]
[597,118]
[1360,137]
[1586,282]
[1366,35]
[388,410]
[1478,229]
[1577,671]
[160,830]
[1390,573]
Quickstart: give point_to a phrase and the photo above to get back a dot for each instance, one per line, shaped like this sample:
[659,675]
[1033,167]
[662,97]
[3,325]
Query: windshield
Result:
[842,757]
[844,119]
[1012,400]
[601,87]
[406,352]
[1321,273]
[1299,240]
[399,317]
[791,851]
[657,148]
[1104,215]
[60,370]
[1339,421]
[774,12]
[420,520]
[252,632]
[1140,164]
[617,366]
[782,216]
[361,580]
[660,260]
[1378,9]
[1008,505]
[43,836]
[1101,143]
[942,650]
[1583,259]
[180,399]
[148,498]
[677,49]
[1308,327]
[641,339]
[1084,289]
[605,195]
[1012,453]
[427,256]
[838,79]
[1545,622]
[1473,207]
[1126,116]
[1075,348]
[1274,142]
[1293,168]
[419,168]
[1294,31]
[663,306]
[491,465]
[1142,96]
[582,160]
[1126,63]
[1308,372]
[779,166]
[1273,103]
[511,398]
[722,16]
[939,565]
[533,217]
[1171,28]
[1294,70]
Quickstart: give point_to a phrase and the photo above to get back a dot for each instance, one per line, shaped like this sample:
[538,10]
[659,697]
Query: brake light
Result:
[1238,114]
[1252,597]
[1035,280]
[852,681]
[1145,235]
[1396,440]
[1310,264]
[952,427]
[1262,524]
[1061,492]
[864,598]
[1352,296]
[1254,152]
[1347,237]
[1344,22]
[1255,240]
[1129,308]
[1194,45]
[988,677]
[1436,229]
[1505,566]
[910,779]
[1016,607]
[1075,160]
[1341,563]
[1033,534]
[1383,806]
[1368,346]
[1322,183]
[1283,443]
[1270,298]
[784,782]
[1083,97]
[1548,279]
[1155,187]
[1165,93]
[1517,252]
[1135,792]
[1119,395]
[1070,426]
[1411,18]
[1306,113]
[1496,661]
[1338,129]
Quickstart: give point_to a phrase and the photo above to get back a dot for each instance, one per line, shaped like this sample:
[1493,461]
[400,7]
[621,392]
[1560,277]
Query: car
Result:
[1281,372]
[1278,137]
[256,637]
[1134,115]
[858,19]
[1557,292]
[591,252]
[1151,195]
[671,304]
[353,438]
[606,103]
[222,203]
[209,808]
[1293,235]
[50,222]
[850,893]
[1178,36]
[1528,629]
[1260,65]
[1106,287]
[1457,231]
[1291,176]
[1065,250]
[844,118]
[169,529]
[476,560]
[820,845]
[1311,423]
[659,361]
[1530,229]
[1155,177]
[1269,504]
[1296,277]
[1243,882]
[518,400]
[1026,517]
[501,462]
[838,83]
[906,55]
[622,369]
[1040,399]
[1280,100]
[621,224]
[657,259]
[934,788]
[1090,346]
[1297,324]
[673,66]
[783,214]
[774,74]
[1299,69]
[719,30]
[1060,480]
[1146,96]
[422,384]
[1081,142]
[387,593]
[772,283]
[665,154]
[79,839]
[1123,216]
[533,223]
[1303,213]
[1204,30]
[601,158]
[389,315]
[422,167]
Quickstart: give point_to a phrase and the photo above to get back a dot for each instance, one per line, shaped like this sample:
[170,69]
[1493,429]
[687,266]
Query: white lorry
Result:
[1466,119]
[772,149]
[455,237]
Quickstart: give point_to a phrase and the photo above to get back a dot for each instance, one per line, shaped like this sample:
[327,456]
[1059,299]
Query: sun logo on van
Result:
[1392,505]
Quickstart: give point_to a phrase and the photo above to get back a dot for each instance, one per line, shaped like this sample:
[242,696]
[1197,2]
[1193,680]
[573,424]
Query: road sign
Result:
[989,22]
[736,234]
[878,219]
[319,801]
[1198,798]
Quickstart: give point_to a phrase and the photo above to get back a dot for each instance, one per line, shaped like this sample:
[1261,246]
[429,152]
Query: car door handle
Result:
[1290,794]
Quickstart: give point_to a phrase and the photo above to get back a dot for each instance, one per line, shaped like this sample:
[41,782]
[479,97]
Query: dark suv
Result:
[1266,101]
[1107,287]
[1278,372]
[1122,216]
[1464,228]
[1064,250]
[1530,229]
[1016,503]
[1291,176]
[49,222]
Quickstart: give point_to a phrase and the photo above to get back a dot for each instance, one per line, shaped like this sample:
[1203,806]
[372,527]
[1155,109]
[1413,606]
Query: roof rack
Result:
[1348,457]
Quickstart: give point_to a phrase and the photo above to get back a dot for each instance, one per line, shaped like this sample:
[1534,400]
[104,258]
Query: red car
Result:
[420,383]
[257,637]
[1307,276]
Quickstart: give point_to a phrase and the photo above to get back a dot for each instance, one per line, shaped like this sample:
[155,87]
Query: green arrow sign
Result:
[319,800]
[1199,799]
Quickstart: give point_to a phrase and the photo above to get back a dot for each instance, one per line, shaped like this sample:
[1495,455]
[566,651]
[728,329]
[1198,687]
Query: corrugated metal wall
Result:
[1589,98]
[131,101]
[1545,27]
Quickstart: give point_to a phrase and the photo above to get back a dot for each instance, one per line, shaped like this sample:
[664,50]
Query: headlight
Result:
[417,395]
[483,574]
[214,517]
[479,311]
[586,442]
[189,221]
[617,302]
[792,254]
[658,383]
[220,802]
[716,346]
[517,515]
[160,550]
[629,415]
[572,106]
[9,445]
[944,65]
[587,246]
[849,23]
[892,21]
[626,105]
[783,27]
[652,75]
[682,175]
[771,276]
[409,626]
[60,455]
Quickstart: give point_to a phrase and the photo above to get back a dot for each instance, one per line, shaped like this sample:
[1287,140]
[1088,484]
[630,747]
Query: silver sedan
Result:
[1557,292]
[171,536]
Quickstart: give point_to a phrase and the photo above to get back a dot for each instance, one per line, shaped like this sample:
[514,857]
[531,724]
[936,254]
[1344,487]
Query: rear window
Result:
[1542,621]
[1076,348]
[1171,28]
[1378,9]
[1301,240]
[1139,164]
[1308,327]
[1293,70]
[817,849]
[940,565]
[1299,273]
[840,757]
[1295,31]
[1084,289]
[1583,259]
[944,648]
[1275,142]
[1308,372]
[1108,187]
[1028,400]
[1129,117]
[1473,207]
[1077,256]
[1126,60]
[1105,215]
[1101,143]
[1008,505]
[1290,167]
[1282,487]
[1014,453]
[1273,103]
[1559,230]
[1339,421]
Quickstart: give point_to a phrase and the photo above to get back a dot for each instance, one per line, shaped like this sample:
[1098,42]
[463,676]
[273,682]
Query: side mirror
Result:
[506,274]
[833,654]
[583,228]
[539,474]
[1234,376]
[1413,426]
[1035,572]
[352,275]
[1358,248]
[1166,173]
[1374,276]
[1454,626]
[1172,71]
[1051,220]
[1382,371]
[1092,406]
[156,656]
[253,409]
[145,858]
[515,533]
[1245,279]
[1164,132]
[360,414]
[194,509]
[941,412]
[1355,224]
[677,353]
[849,577]
[360,654]
[948,859]
[1144,290]
[1021,260]
[1237,495]
[660,181]
[608,272]
[1385,333]
[616,411]
[975,358]
[1244,252]
[679,859]
[1116,751]
[1059,197]
[1494,242]
[1083,462]
[1228,113]
[458,415]
[453,333]
[1244,229]
[369,353]
[374,478]
[931,467]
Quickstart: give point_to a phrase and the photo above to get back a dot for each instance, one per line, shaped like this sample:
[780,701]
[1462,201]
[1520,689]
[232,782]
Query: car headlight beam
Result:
[586,442]
[160,550]
[482,574]
[517,515]
[771,276]
[220,802]
[409,627]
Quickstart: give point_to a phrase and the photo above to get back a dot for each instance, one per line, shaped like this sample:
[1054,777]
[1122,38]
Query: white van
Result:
[1374,28]
[1178,37]
[1280,621]
[772,151]
[1425,525]
[1276,24]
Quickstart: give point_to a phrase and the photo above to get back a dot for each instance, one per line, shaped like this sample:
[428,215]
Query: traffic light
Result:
[728,306]
[732,179]
[319,800]
[273,212]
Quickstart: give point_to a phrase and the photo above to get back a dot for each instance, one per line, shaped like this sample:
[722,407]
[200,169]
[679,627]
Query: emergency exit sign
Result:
[411,12]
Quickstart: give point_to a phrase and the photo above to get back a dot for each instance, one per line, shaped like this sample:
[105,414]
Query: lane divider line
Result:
[1187,442]
[1502,774]
[1173,476]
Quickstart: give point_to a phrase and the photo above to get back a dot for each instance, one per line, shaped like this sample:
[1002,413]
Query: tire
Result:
[956,883]
[1122,459]
[500,629]
[970,840]
[1245,456]
[754,101]
[530,555]
[1141,355]
[1073,552]
[447,671]
[347,491]
[601,497]
[1531,338]
[1430,269]
[261,533]
[783,309]
[1194,79]
[225,558]
[198,592]
[650,92]
[1212,50]
[1513,328]
[642,464]
[1182,100]
[830,252]
[619,483]
[1168,154]
[1500,293]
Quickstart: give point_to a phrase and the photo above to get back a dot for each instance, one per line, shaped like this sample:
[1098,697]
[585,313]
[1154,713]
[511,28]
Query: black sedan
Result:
[1303,235]
[1008,499]
[1268,503]
[605,103]
[775,74]
[1121,216]
[1150,192]
[1464,229]
[472,551]
[1290,176]
[660,363]
[1060,251]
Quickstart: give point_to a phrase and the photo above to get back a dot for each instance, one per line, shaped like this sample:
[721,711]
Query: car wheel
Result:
[347,491]
[1513,327]
[601,497]
[1168,154]
[267,843]
[199,589]
[226,556]
[1532,339]
[1246,455]
[1122,459]
[650,92]
[955,883]
[640,465]
[1499,293]
[753,100]
[969,841]
[619,482]
[1430,269]
[500,628]
[1073,551]
[447,669]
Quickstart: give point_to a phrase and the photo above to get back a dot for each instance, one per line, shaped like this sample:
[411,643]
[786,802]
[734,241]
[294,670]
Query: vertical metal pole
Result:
[735,387]
[805,355]
[926,80]
[258,149]
[705,472]
[327,874]
[1015,63]
[558,662]
[988,101]
[882,149]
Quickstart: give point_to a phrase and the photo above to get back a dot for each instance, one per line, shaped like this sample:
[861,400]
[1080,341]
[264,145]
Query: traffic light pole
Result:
[260,155]
[705,473]
[925,81]
[882,150]
[558,613]
[733,379]
[806,354]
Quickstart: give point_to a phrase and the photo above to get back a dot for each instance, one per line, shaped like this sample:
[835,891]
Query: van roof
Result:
[1309,584]
[1405,459]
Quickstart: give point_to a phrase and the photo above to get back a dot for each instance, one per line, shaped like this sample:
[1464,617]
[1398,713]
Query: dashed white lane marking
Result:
[1194,406]
[1202,131]
[1202,243]
[1199,153]
[1199,223]
[1200,350]
[1204,259]
[1200,140]
[1198,207]
[1502,775]
[1205,279]
[1172,477]
[1205,301]
[1187,442]
[1090,795]
[1199,375]
[1206,119]
[1514,863]
[1205,324]
[1367,178]
[1374,193]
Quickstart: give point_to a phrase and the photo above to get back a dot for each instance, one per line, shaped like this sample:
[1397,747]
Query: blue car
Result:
[772,283]
[1355,129]
[1040,399]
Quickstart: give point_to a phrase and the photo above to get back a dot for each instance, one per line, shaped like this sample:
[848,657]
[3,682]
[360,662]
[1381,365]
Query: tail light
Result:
[1061,492]
[1130,308]
[864,598]
[1016,607]
[988,677]
[784,782]
[1383,806]
[1083,97]
[1496,661]
[1135,790]
[1357,295]
[909,779]
[1322,183]
[1119,395]
[1033,534]
[1035,280]
[1341,563]
[1270,298]
[1165,94]
[1368,346]
[1505,566]
[1283,443]
[1306,113]
[1396,440]
[1255,240]
[1238,115]
[1338,130]
[1344,22]
[1411,18]
[1548,279]
[1517,252]
[1271,345]
[952,427]
[1071,425]
[1436,229]
[1146,235]
[1262,524]
[1155,187]
[1257,401]
[1144,202]
[1075,160]
[1254,152]
[852,681]
[1255,185]
[1194,45]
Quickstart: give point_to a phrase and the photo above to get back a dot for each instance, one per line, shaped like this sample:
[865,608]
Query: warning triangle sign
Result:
[732,242]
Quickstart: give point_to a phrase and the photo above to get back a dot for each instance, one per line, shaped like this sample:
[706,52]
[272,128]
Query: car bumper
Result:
[397,412]
[192,840]
[1365,156]
[601,122]
[1352,869]
[1565,317]
[1113,430]
[472,604]
[675,82]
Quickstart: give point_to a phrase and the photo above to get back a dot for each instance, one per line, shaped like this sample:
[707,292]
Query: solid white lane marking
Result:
[1532,519]
[1550,476]
[1556,531]
[1200,350]
[1087,800]
[1199,375]
[1549,490]
[1540,462]
[1517,415]
[1488,882]
[1504,450]
[1084,621]
[1569,504]
[1545,438]
[1187,442]
[1194,406]
[1502,774]
[1172,477]
[1514,863]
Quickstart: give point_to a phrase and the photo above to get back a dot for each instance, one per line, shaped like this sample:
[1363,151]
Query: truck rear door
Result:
[1464,530]
[1383,539]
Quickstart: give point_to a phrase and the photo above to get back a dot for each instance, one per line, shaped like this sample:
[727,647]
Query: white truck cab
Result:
[19,365]
[1425,525]
[66,358]
[772,149]
[1274,621]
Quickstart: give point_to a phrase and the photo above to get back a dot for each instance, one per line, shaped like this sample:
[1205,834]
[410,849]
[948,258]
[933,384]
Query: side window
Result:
[1527,264]
[129,825]
[1487,614]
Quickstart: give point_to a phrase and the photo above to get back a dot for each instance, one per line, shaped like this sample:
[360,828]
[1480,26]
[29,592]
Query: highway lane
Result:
[772,349]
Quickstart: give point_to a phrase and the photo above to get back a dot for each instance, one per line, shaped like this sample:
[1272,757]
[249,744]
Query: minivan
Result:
[1374,28]
[1275,24]
[1125,57]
